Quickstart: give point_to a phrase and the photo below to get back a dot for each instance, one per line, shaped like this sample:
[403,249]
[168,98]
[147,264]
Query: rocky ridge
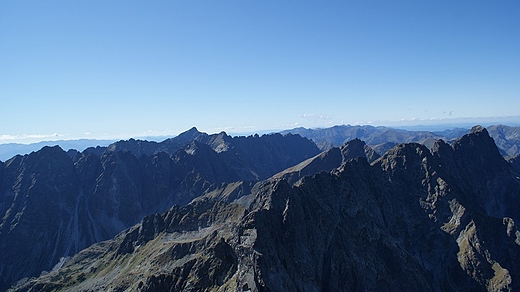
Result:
[328,160]
[439,219]
[55,203]
[381,139]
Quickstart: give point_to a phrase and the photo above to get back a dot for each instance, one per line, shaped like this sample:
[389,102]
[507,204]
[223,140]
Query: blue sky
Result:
[120,69]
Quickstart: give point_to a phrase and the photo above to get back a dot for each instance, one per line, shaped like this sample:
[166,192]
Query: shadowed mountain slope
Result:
[515,162]
[413,220]
[54,203]
[328,160]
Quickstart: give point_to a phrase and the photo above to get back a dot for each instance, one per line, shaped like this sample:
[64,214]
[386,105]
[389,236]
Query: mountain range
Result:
[54,203]
[382,138]
[203,212]
[378,138]
[9,150]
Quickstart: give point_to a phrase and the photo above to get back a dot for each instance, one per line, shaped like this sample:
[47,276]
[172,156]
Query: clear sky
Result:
[117,69]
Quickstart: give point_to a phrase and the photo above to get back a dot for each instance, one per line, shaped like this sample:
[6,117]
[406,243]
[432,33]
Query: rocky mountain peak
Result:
[403,156]
[478,162]
[47,162]
[358,148]
[477,151]
[477,129]
[478,140]
[220,142]
[329,160]
[189,135]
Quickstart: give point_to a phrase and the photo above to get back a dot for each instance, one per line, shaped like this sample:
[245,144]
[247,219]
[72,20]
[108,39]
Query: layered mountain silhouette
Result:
[381,139]
[9,150]
[414,219]
[515,162]
[506,138]
[55,203]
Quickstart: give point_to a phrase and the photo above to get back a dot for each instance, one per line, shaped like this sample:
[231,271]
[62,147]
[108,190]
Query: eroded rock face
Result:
[413,220]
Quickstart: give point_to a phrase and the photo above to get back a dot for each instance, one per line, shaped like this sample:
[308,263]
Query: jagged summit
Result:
[188,135]
[358,148]
[479,151]
[329,160]
[477,129]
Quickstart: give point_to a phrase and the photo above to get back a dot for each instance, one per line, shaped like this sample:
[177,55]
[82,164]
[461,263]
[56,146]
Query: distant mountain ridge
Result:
[382,138]
[415,219]
[379,138]
[9,150]
[338,135]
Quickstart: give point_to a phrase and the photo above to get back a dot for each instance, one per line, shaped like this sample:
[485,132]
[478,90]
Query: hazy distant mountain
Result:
[413,220]
[381,139]
[54,203]
[11,149]
[372,136]
[506,138]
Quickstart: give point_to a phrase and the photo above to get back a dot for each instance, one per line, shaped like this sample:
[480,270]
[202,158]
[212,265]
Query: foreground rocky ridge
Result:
[443,219]
[55,203]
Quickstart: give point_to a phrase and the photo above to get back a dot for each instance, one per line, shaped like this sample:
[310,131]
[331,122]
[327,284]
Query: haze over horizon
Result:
[120,69]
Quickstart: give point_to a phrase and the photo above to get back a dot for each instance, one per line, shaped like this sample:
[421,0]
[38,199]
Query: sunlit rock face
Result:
[415,219]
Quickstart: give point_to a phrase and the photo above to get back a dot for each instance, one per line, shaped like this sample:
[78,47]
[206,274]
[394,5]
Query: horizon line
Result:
[430,125]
